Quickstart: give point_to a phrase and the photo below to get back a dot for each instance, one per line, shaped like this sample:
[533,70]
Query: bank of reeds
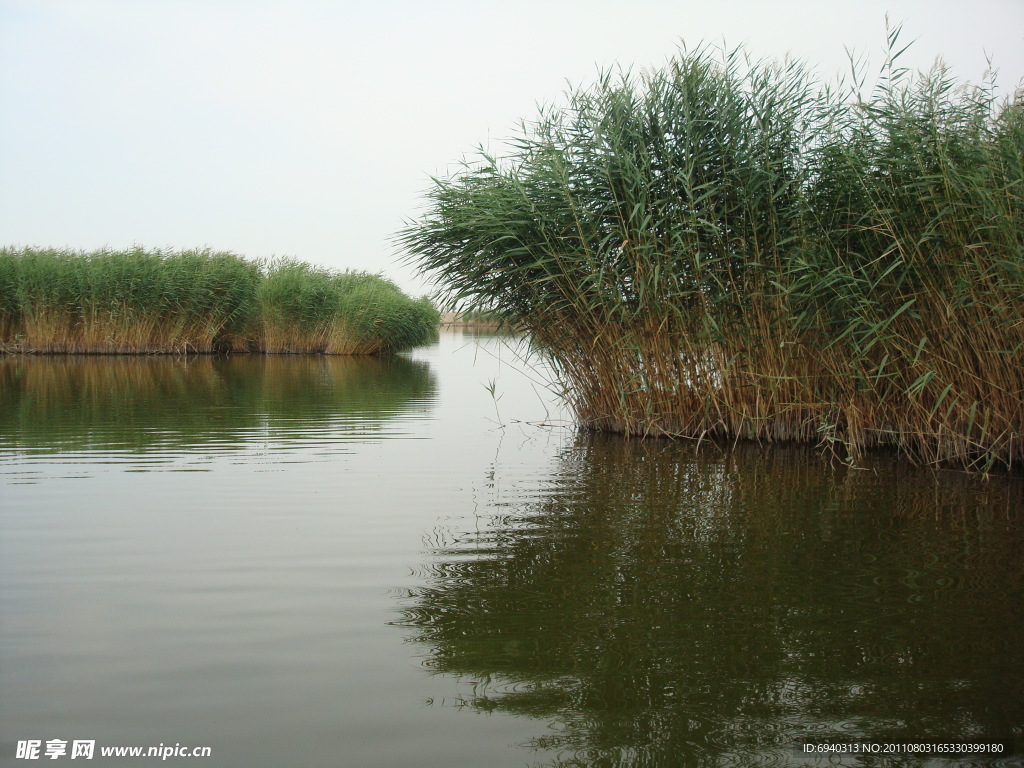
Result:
[124,301]
[307,309]
[150,301]
[725,248]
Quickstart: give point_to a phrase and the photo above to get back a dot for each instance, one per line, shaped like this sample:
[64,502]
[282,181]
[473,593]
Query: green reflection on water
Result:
[664,605]
[143,403]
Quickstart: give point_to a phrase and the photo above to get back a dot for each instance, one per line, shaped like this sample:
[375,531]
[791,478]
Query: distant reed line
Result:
[140,301]
[726,248]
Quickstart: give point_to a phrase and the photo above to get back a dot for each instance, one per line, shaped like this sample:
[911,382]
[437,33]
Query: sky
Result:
[312,129]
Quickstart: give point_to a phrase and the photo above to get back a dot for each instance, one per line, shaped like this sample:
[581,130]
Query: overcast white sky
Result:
[310,129]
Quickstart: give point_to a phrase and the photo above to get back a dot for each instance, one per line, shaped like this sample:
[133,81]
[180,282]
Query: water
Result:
[336,562]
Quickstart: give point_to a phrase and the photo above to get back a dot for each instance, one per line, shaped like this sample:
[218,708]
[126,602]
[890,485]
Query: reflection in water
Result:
[661,604]
[160,405]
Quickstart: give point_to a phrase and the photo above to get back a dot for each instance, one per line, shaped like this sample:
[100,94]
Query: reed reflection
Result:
[662,604]
[144,404]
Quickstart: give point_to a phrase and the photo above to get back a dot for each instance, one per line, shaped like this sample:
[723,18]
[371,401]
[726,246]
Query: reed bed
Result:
[134,301]
[150,301]
[306,309]
[724,247]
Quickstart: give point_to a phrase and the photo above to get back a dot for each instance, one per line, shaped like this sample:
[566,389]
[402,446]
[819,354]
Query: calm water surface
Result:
[340,562]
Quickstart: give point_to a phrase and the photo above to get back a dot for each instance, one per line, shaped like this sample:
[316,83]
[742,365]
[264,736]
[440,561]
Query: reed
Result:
[296,308]
[133,301]
[374,316]
[306,309]
[152,301]
[724,247]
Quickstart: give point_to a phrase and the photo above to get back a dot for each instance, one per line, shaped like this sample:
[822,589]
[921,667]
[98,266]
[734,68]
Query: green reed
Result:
[723,247]
[152,301]
[123,301]
[373,315]
[307,309]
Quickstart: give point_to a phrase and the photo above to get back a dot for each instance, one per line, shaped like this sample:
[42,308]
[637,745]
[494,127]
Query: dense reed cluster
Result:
[726,248]
[308,309]
[151,301]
